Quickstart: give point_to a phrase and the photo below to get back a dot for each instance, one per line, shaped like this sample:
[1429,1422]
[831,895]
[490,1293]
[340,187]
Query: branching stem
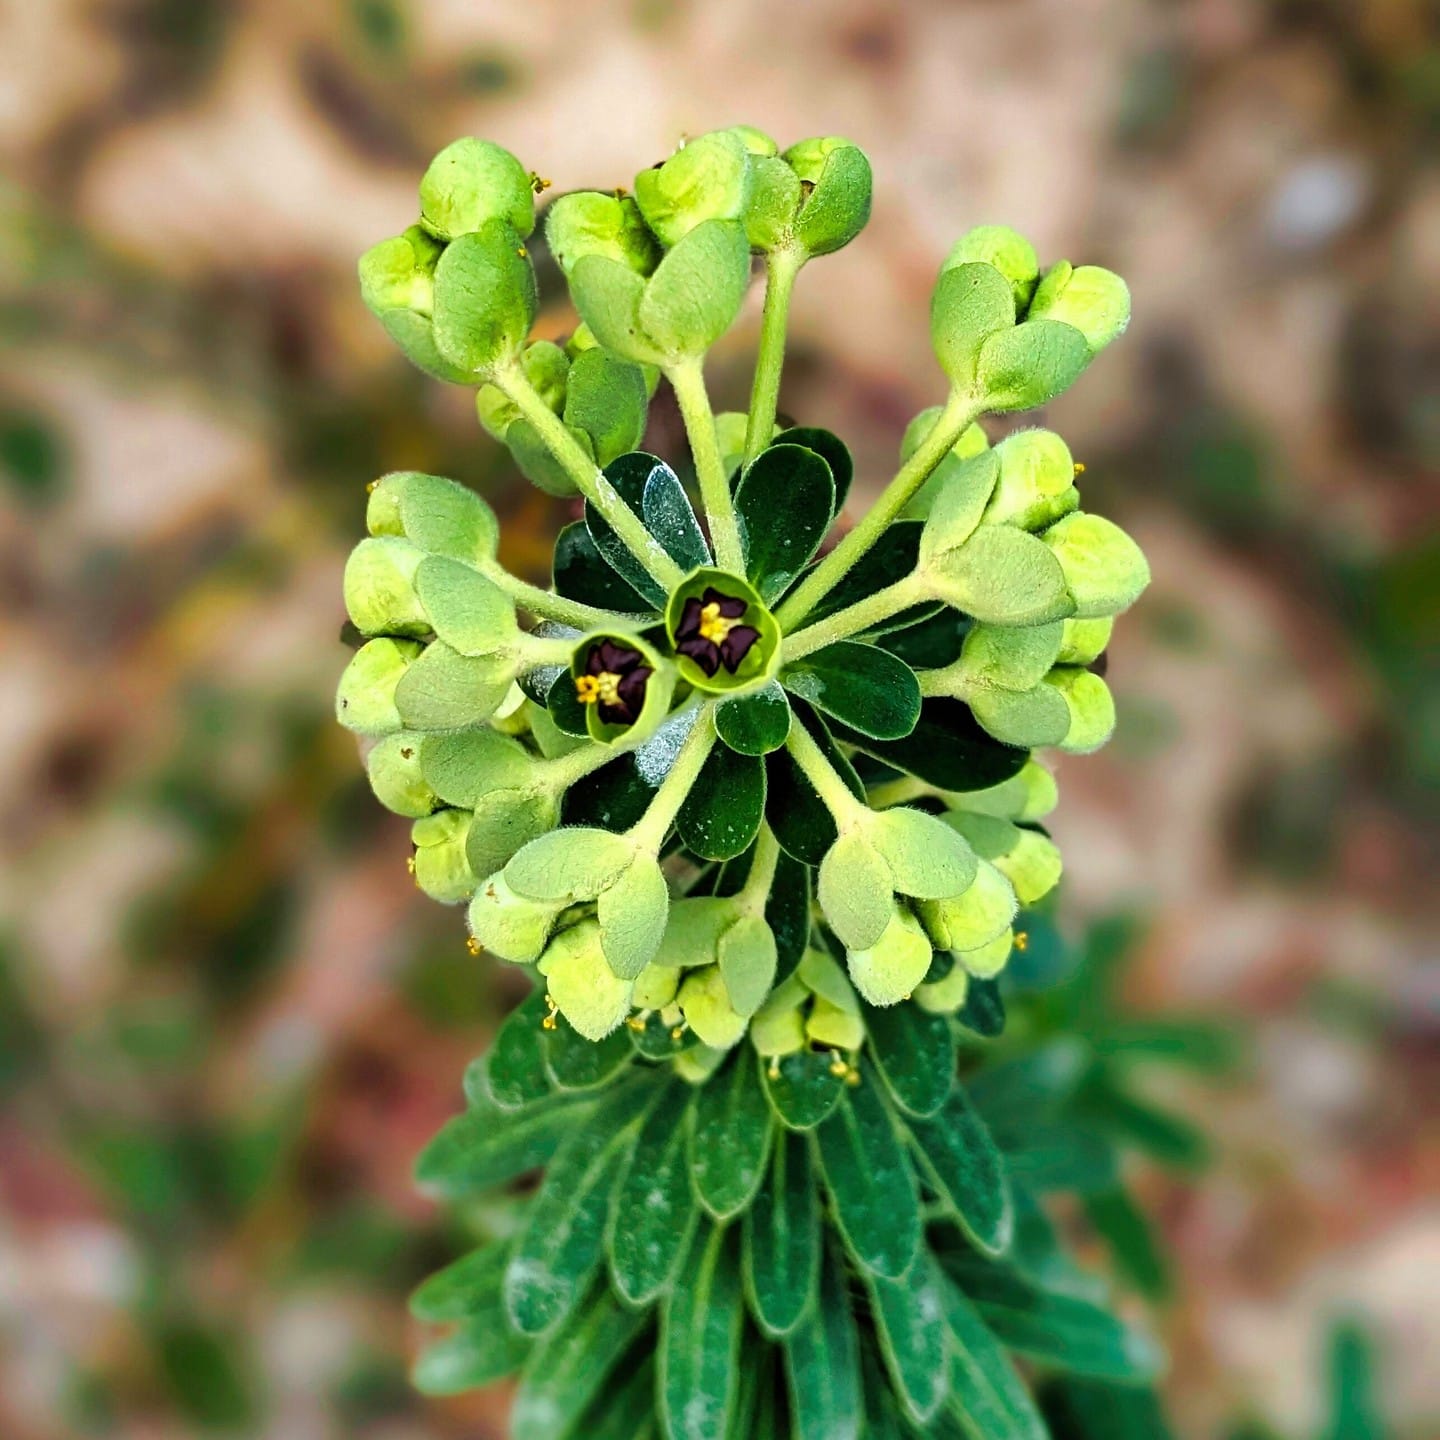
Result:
[688,381]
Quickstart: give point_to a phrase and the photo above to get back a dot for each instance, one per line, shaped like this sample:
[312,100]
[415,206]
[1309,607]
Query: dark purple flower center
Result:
[710,632]
[614,681]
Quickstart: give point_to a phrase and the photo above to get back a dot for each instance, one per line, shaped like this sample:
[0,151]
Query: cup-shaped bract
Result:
[1007,250]
[594,222]
[441,868]
[546,367]
[1094,300]
[365,699]
[725,639]
[1036,483]
[485,299]
[624,685]
[397,778]
[1091,705]
[379,587]
[472,182]
[836,186]
[707,178]
[888,971]
[1105,570]
[397,284]
[439,516]
[580,981]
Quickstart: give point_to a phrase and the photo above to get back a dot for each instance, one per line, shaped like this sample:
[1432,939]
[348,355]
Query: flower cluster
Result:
[746,768]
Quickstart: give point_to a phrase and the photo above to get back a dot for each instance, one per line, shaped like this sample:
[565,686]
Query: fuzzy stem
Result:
[823,776]
[781,268]
[688,381]
[654,825]
[589,479]
[862,615]
[899,791]
[959,412]
[756,889]
[546,605]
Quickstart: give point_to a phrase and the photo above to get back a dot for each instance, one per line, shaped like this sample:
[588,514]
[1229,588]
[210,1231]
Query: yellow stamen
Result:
[635,1023]
[603,688]
[1079,468]
[473,945]
[852,1077]
[774,1071]
[548,1023]
[839,1065]
[370,488]
[714,626]
[410,863]
[1022,941]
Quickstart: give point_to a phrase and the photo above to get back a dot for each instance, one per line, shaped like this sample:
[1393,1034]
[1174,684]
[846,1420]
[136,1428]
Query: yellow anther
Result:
[635,1023]
[677,1032]
[774,1070]
[521,251]
[601,689]
[410,863]
[1079,468]
[472,945]
[839,1065]
[538,185]
[370,488]
[852,1076]
[1022,941]
[714,626]
[548,1023]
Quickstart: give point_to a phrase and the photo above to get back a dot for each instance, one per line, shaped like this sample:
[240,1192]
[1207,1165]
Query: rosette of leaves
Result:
[750,786]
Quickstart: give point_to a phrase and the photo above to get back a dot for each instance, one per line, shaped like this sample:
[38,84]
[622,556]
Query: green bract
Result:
[748,787]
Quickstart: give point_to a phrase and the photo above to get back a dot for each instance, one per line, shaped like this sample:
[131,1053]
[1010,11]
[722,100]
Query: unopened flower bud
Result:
[890,969]
[965,922]
[513,926]
[1007,250]
[580,982]
[438,515]
[397,284]
[1082,642]
[592,222]
[441,869]
[1094,300]
[1105,570]
[1037,481]
[705,1003]
[1091,706]
[485,299]
[778,1027]
[836,186]
[708,178]
[472,181]
[379,587]
[399,784]
[365,698]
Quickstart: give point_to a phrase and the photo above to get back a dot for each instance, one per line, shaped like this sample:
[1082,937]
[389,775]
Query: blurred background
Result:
[227,1019]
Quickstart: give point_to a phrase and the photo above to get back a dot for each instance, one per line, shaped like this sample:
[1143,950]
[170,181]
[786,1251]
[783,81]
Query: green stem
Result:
[536,652]
[823,777]
[589,479]
[949,680]
[781,268]
[899,791]
[688,381]
[546,605]
[756,889]
[959,412]
[654,825]
[862,615]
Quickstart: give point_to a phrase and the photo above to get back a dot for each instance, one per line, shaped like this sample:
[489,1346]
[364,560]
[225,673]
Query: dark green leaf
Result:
[755,723]
[514,1070]
[830,448]
[624,1410]
[988,1398]
[802,1089]
[671,520]
[569,1370]
[478,1352]
[1166,1138]
[722,813]
[864,688]
[785,502]
[468,1287]
[964,1167]
[1137,1249]
[652,1212]
[822,1363]
[782,1239]
[787,912]
[931,643]
[908,1312]
[915,1052]
[799,817]
[1064,1332]
[486,1147]
[1208,1047]
[575,1063]
[947,748]
[891,558]
[613,797]
[1088,1410]
[557,1251]
[629,475]
[700,1340]
[984,1009]
[564,706]
[730,1138]
[1039,1253]
[1059,1156]
[871,1184]
[581,573]
[1031,1088]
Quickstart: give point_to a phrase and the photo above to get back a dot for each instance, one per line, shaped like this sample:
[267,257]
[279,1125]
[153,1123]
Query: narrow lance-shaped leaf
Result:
[782,1240]
[910,1313]
[700,1327]
[822,1362]
[963,1165]
[730,1138]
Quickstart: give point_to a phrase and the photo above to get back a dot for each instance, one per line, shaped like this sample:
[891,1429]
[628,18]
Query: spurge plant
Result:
[752,791]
